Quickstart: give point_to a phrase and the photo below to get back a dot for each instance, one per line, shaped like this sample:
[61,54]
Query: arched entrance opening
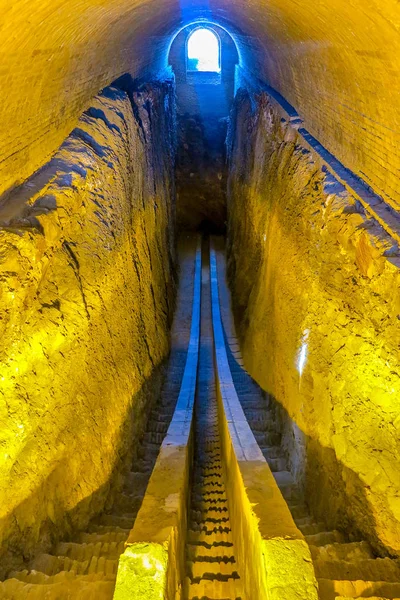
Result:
[203,51]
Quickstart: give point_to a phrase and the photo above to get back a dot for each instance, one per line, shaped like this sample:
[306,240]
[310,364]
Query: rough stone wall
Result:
[315,285]
[87,291]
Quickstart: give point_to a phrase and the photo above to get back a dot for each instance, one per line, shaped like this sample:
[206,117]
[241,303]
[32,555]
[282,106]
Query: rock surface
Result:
[315,284]
[87,291]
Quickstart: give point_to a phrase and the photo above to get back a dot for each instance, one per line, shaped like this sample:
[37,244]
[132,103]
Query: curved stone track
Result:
[212,572]
[344,569]
[86,567]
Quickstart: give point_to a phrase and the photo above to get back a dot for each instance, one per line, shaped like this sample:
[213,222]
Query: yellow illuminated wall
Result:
[318,305]
[86,291]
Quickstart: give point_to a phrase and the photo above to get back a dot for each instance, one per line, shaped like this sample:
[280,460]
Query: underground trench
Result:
[141,460]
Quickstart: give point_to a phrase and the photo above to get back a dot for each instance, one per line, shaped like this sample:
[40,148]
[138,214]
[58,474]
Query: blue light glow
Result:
[203,51]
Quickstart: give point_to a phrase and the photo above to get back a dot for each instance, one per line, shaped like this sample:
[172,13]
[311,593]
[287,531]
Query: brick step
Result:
[82,552]
[277,464]
[210,513]
[298,510]
[262,415]
[349,551]
[157,426]
[312,528]
[106,537]
[359,598]
[143,465]
[332,589]
[128,503]
[369,569]
[102,529]
[214,590]
[325,537]
[211,570]
[251,403]
[198,553]
[67,587]
[154,437]
[137,481]
[286,484]
[162,416]
[123,521]
[47,565]
[272,451]
[268,438]
[209,539]
[210,528]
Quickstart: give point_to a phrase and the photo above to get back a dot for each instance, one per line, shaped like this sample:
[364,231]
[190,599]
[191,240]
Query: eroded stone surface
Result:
[315,288]
[87,289]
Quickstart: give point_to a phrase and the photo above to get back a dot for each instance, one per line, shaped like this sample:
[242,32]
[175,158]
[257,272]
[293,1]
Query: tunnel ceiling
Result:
[336,61]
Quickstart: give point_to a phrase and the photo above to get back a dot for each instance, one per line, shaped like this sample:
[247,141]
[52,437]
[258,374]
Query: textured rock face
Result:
[316,289]
[87,289]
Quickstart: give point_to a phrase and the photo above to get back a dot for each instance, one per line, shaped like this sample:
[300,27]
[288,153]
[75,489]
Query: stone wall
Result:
[315,283]
[87,292]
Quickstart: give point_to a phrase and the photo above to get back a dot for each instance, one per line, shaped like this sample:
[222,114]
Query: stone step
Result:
[286,484]
[214,590]
[66,587]
[277,464]
[200,553]
[49,569]
[83,552]
[332,589]
[203,569]
[311,528]
[359,598]
[49,565]
[369,569]
[272,451]
[269,438]
[128,503]
[102,529]
[251,402]
[209,539]
[349,552]
[123,521]
[298,511]
[136,482]
[325,537]
[157,426]
[261,416]
[106,537]
[154,437]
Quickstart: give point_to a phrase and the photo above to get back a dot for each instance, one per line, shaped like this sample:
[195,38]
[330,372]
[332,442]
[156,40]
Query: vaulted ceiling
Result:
[336,61]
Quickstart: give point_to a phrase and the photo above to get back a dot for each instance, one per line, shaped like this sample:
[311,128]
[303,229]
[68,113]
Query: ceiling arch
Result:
[337,62]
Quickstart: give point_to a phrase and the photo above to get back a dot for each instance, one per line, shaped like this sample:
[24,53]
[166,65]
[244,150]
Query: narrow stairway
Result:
[211,566]
[345,569]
